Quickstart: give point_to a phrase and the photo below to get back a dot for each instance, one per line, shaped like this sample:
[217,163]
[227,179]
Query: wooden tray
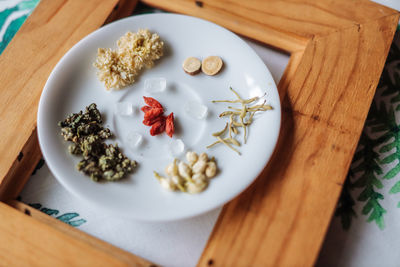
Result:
[338,49]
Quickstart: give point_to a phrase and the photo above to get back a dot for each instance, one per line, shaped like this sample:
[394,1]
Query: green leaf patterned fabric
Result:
[66,217]
[12,16]
[377,160]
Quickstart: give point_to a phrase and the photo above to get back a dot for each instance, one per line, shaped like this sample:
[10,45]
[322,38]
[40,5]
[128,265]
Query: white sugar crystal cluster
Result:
[176,147]
[134,140]
[155,85]
[123,109]
[196,110]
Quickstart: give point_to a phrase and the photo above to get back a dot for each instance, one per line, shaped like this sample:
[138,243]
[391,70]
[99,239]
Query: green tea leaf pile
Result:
[100,161]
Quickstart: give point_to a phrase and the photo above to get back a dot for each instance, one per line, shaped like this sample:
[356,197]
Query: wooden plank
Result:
[53,28]
[290,71]
[21,170]
[338,48]
[123,9]
[283,218]
[285,24]
[45,241]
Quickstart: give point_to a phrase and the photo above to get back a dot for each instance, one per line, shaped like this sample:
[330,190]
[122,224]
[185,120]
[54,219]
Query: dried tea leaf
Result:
[100,161]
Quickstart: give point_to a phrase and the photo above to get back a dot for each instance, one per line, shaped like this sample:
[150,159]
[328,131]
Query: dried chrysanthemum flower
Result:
[118,68]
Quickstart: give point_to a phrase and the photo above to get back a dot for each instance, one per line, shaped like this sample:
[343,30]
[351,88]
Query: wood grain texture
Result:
[21,170]
[36,239]
[285,24]
[338,51]
[124,8]
[290,71]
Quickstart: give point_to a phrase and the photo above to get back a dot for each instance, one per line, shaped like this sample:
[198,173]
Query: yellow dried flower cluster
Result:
[118,68]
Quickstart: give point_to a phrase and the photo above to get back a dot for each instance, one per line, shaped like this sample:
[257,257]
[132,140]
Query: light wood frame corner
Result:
[337,53]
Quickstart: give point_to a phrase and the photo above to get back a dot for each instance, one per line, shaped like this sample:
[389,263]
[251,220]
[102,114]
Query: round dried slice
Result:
[191,65]
[211,65]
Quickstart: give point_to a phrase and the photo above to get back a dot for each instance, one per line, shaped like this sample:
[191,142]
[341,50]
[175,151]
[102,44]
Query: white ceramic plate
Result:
[73,85]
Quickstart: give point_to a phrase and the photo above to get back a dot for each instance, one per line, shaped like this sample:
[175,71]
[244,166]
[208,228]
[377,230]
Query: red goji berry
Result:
[157,128]
[152,102]
[169,127]
[153,116]
[152,121]
[153,113]
[145,109]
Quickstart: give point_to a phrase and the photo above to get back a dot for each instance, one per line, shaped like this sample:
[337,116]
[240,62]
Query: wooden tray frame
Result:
[337,52]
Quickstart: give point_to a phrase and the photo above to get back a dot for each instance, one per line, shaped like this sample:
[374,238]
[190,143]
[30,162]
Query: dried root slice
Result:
[191,65]
[211,65]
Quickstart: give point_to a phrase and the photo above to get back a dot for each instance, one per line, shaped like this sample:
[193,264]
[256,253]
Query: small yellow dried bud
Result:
[191,157]
[211,169]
